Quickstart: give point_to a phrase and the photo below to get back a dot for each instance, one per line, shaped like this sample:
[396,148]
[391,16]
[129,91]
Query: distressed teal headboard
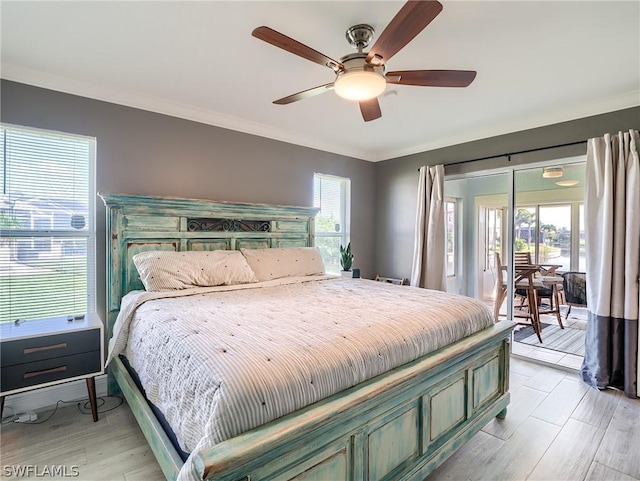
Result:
[137,223]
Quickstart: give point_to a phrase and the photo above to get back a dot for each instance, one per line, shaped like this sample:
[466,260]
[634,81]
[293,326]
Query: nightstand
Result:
[43,352]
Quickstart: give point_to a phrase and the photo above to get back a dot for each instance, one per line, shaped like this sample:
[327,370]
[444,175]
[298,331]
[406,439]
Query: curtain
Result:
[612,213]
[429,251]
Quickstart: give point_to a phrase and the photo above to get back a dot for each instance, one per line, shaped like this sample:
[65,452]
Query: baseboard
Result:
[49,396]
[542,362]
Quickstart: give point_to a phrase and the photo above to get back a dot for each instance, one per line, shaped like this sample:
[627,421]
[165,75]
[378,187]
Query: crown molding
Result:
[624,101]
[187,112]
[174,109]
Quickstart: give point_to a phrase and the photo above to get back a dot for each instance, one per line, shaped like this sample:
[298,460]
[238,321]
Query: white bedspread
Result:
[220,361]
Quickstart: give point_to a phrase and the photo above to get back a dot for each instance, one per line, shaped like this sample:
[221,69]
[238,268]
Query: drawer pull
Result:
[31,350]
[45,371]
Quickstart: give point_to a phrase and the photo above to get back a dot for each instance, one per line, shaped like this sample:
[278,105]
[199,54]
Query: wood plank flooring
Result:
[113,449]
[556,429]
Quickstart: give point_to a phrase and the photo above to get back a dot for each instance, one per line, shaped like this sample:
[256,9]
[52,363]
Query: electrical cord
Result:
[87,410]
[82,407]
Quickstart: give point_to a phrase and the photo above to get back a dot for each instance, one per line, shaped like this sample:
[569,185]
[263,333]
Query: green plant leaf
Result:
[346,257]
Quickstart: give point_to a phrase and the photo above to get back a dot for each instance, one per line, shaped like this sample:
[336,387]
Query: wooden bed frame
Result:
[397,426]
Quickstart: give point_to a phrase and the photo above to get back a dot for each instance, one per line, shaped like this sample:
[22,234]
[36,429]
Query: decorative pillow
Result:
[166,271]
[285,262]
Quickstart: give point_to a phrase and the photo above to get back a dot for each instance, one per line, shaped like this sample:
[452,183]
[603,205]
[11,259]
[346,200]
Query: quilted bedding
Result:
[220,361]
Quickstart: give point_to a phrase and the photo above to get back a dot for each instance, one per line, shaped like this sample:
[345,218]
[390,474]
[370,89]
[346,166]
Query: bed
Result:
[396,424]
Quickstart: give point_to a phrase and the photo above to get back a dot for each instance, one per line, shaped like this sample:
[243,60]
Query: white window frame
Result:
[89,233]
[574,238]
[345,208]
[455,235]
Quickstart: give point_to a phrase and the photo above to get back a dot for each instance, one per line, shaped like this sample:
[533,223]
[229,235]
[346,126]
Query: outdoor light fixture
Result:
[567,183]
[552,172]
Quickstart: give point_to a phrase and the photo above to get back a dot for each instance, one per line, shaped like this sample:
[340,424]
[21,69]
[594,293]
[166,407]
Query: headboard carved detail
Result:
[228,225]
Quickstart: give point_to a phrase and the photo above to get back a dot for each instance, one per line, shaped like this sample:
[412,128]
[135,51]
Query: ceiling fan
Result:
[362,76]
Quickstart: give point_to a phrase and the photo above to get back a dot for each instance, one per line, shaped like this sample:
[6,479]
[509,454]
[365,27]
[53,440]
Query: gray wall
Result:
[140,152]
[397,179]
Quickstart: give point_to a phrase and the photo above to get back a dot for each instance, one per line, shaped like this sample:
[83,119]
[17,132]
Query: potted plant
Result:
[346,260]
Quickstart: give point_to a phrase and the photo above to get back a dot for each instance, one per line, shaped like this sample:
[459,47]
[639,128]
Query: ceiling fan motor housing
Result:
[357,61]
[359,36]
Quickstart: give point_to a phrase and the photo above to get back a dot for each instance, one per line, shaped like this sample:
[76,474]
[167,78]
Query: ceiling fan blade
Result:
[412,18]
[432,78]
[305,94]
[279,40]
[370,109]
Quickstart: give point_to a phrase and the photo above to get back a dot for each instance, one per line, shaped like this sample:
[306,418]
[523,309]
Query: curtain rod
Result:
[509,154]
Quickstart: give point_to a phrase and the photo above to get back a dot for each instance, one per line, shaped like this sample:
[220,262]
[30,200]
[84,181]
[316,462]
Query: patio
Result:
[561,347]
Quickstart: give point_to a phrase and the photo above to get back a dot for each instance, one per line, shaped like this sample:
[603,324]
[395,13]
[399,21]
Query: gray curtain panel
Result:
[430,248]
[612,222]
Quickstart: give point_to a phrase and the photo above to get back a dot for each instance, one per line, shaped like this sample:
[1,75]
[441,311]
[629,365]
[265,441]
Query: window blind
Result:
[331,195]
[47,228]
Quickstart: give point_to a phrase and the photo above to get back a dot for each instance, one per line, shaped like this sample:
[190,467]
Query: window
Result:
[525,231]
[552,241]
[493,236]
[331,194]
[554,235]
[582,254]
[47,234]
[450,214]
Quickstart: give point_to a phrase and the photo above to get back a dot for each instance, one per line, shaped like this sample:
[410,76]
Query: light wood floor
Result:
[113,449]
[556,429]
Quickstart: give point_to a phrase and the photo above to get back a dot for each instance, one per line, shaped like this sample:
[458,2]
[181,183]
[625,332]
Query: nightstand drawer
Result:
[32,349]
[40,372]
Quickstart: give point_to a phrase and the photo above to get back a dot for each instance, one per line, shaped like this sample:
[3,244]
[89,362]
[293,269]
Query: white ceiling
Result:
[538,63]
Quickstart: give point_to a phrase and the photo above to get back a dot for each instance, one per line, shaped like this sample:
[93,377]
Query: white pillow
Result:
[270,264]
[166,271]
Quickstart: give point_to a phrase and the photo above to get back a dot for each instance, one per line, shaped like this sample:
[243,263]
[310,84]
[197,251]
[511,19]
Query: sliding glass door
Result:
[549,215]
[548,222]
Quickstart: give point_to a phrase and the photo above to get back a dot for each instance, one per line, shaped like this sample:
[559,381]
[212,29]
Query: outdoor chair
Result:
[524,281]
[575,289]
[551,282]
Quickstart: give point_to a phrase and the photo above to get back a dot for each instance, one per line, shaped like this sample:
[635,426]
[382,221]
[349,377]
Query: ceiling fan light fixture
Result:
[552,172]
[359,84]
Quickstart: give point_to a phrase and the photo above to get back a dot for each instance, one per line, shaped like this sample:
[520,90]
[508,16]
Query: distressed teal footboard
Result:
[398,426]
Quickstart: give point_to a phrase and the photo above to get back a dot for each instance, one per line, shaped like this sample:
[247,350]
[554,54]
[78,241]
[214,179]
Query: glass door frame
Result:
[510,172]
